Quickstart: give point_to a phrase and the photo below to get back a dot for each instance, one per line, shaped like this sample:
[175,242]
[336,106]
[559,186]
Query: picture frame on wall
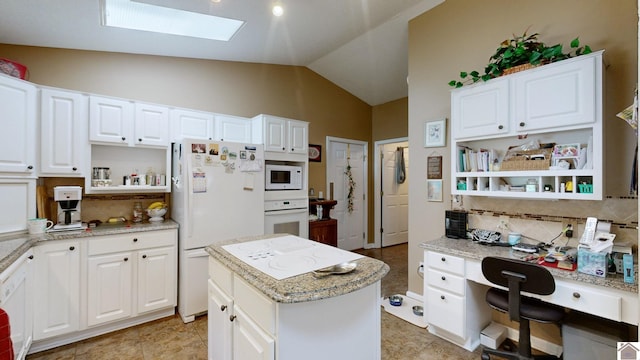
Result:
[435,133]
[315,153]
[434,190]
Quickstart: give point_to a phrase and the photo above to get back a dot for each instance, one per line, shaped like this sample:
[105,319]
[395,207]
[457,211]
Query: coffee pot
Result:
[68,199]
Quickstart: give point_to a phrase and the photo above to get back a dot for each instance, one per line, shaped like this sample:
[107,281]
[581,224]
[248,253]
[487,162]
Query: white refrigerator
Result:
[218,194]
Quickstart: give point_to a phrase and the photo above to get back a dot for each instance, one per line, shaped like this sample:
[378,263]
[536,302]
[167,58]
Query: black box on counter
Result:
[456,224]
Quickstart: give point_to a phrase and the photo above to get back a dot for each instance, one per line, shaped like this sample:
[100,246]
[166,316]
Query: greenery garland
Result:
[352,186]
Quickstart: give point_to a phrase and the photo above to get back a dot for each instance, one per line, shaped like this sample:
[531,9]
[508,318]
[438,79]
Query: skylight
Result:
[139,16]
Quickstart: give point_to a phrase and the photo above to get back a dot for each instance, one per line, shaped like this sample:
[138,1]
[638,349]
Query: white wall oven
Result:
[287,217]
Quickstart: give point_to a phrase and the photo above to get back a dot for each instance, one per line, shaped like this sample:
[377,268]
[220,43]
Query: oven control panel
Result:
[275,205]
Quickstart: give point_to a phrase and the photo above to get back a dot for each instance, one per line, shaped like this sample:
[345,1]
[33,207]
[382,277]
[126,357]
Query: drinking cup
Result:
[38,225]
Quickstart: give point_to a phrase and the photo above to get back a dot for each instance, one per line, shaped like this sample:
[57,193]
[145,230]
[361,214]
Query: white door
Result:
[352,224]
[395,195]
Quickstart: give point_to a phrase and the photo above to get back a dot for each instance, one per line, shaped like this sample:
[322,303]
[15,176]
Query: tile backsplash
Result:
[542,219]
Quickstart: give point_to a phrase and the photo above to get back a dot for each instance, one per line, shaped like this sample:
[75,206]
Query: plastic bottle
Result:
[137,212]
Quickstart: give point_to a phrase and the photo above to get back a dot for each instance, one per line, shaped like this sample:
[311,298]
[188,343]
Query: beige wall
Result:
[461,35]
[390,120]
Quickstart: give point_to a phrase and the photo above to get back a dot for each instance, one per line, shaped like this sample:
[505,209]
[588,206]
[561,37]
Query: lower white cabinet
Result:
[130,274]
[56,288]
[16,299]
[450,302]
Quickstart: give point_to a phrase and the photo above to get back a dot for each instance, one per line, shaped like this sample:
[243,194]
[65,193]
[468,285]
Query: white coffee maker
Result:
[68,199]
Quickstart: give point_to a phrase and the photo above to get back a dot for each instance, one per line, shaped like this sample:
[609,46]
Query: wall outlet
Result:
[571,227]
[421,268]
[503,223]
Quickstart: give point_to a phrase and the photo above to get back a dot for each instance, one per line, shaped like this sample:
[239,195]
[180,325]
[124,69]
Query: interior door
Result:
[395,196]
[351,224]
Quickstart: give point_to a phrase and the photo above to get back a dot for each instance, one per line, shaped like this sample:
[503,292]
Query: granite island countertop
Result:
[304,287]
[12,246]
[471,250]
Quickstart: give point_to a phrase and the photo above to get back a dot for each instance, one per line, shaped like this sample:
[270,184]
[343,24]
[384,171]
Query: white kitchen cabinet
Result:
[123,268]
[56,288]
[63,132]
[219,325]
[151,125]
[191,124]
[558,103]
[232,128]
[21,194]
[109,287]
[281,135]
[481,110]
[16,298]
[110,120]
[250,342]
[18,120]
[451,309]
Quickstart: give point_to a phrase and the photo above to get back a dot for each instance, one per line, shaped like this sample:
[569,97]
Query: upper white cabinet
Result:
[110,120]
[281,135]
[558,103]
[63,132]
[151,125]
[18,120]
[191,124]
[481,110]
[232,128]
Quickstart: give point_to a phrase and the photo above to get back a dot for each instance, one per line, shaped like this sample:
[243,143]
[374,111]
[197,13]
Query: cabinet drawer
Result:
[131,241]
[448,263]
[260,308]
[221,276]
[445,281]
[446,311]
[587,300]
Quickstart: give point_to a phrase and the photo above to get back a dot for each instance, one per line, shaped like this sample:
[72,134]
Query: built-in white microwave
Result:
[283,177]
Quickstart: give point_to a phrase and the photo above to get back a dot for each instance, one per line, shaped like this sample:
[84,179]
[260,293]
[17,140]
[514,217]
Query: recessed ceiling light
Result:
[140,16]
[277,10]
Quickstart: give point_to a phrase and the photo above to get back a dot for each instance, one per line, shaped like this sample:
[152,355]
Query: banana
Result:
[157,205]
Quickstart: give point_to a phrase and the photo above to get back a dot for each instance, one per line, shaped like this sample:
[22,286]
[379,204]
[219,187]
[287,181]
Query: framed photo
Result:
[435,133]
[315,153]
[434,167]
[434,190]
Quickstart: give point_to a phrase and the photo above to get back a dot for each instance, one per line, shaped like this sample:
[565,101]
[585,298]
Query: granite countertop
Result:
[470,250]
[304,287]
[12,246]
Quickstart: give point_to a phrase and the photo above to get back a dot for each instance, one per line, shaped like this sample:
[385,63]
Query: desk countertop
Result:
[470,250]
[300,288]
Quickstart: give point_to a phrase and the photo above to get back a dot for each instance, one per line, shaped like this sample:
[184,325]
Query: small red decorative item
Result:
[13,68]
[6,346]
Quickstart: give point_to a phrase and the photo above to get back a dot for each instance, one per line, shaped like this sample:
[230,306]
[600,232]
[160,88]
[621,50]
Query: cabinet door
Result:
[17,301]
[21,194]
[151,125]
[56,288]
[232,128]
[156,279]
[63,132]
[250,342]
[298,137]
[561,94]
[110,291]
[220,331]
[18,109]
[274,134]
[324,231]
[191,124]
[481,110]
[110,120]
[446,311]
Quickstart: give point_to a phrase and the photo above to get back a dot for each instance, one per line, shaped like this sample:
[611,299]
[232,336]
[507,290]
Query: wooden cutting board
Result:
[41,201]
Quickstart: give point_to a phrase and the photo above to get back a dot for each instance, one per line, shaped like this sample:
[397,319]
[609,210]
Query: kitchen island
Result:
[255,316]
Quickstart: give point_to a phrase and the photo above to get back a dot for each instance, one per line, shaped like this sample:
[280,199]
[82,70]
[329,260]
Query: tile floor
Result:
[169,338]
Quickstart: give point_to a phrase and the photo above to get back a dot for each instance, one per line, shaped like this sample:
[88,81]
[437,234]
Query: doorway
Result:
[391,186]
[351,210]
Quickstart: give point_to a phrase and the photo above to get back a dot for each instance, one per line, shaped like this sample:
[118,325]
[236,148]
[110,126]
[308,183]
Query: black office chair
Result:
[519,276]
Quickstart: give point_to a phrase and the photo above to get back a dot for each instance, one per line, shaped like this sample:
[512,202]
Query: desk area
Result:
[454,289]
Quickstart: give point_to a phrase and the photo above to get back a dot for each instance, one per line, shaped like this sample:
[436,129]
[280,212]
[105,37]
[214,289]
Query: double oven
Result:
[286,206]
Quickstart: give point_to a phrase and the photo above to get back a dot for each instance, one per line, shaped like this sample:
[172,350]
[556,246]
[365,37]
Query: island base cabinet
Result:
[219,323]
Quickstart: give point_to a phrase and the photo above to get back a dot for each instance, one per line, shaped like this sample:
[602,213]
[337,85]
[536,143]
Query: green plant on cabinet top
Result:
[520,50]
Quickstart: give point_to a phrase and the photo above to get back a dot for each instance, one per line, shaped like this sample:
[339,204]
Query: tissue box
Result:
[493,335]
[592,263]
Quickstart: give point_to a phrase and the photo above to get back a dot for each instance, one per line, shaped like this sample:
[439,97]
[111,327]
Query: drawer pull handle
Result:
[124,138]
[223,307]
[135,239]
[71,248]
[443,278]
[442,297]
[144,256]
[74,168]
[139,140]
[30,257]
[443,259]
[30,167]
[232,317]
[576,295]
[500,127]
[521,123]
[126,259]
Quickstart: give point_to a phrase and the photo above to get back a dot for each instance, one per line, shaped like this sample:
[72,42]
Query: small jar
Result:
[137,212]
[532,185]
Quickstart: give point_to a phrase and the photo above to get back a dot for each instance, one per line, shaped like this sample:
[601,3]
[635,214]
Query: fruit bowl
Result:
[156,214]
